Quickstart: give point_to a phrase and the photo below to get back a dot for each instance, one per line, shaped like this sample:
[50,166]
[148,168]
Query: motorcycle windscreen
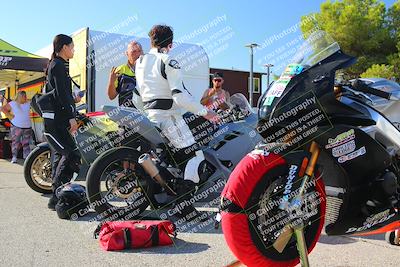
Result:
[294,115]
[314,50]
[239,100]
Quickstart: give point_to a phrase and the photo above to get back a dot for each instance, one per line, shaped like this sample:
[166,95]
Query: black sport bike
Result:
[330,159]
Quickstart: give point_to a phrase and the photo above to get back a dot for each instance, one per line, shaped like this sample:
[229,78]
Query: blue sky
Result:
[31,25]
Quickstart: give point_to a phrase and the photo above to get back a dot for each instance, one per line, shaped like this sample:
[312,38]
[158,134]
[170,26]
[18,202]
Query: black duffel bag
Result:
[43,103]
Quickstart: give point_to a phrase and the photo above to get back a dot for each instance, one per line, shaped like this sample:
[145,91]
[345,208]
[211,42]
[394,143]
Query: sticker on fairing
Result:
[369,225]
[376,217]
[280,85]
[256,153]
[352,155]
[269,100]
[174,64]
[340,139]
[292,70]
[344,149]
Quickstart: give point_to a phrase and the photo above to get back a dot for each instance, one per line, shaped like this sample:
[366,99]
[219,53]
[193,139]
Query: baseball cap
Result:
[218,75]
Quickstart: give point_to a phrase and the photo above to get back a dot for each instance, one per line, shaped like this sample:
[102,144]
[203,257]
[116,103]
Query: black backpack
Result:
[43,103]
[46,102]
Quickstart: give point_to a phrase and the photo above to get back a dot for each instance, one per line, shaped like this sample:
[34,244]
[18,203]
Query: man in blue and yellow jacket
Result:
[122,81]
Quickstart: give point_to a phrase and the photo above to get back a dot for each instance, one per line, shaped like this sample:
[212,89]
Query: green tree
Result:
[363,28]
[394,27]
[393,21]
[379,71]
[394,60]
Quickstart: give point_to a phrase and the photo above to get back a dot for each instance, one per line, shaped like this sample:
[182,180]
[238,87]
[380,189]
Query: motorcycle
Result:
[37,166]
[97,131]
[329,159]
[139,168]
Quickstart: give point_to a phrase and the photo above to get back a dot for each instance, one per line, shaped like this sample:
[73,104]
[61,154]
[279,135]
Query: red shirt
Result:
[216,100]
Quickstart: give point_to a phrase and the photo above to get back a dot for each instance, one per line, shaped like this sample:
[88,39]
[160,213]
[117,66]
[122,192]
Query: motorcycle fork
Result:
[299,228]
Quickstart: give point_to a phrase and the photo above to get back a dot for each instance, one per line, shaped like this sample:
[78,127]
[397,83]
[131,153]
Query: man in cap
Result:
[216,98]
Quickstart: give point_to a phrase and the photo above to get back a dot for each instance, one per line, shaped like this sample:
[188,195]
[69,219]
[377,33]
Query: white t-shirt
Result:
[21,114]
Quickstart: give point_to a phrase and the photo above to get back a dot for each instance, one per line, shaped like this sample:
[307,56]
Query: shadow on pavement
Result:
[20,162]
[336,240]
[179,247]
[371,237]
[193,226]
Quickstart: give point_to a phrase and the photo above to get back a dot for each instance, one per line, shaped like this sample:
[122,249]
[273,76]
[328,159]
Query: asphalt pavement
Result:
[32,235]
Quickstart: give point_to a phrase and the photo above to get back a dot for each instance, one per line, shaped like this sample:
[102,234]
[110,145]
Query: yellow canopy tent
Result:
[20,70]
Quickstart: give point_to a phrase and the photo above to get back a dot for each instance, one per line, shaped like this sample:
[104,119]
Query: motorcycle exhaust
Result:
[154,173]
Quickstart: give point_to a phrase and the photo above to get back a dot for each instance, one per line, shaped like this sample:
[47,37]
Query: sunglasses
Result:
[218,80]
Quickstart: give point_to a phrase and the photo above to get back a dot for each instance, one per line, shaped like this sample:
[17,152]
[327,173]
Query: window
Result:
[256,84]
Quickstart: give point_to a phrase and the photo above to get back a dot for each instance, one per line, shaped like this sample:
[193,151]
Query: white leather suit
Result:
[161,89]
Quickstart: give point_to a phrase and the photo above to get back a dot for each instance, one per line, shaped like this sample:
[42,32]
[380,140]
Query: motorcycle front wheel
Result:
[37,170]
[255,221]
[117,185]
[393,237]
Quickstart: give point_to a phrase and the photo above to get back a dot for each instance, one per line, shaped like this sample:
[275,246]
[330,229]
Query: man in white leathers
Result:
[164,95]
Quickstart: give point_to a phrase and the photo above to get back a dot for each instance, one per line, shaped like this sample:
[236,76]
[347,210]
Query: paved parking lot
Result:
[32,235]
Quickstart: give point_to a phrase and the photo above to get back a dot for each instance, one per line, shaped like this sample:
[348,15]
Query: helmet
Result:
[72,201]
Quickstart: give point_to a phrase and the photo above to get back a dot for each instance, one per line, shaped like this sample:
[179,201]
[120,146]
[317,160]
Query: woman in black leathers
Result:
[61,124]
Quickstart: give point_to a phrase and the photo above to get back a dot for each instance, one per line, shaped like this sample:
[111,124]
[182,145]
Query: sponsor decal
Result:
[352,155]
[292,70]
[340,139]
[256,153]
[344,149]
[174,64]
[369,225]
[280,85]
[5,60]
[289,182]
[376,217]
[269,100]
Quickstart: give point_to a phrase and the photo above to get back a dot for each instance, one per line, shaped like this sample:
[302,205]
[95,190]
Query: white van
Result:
[97,52]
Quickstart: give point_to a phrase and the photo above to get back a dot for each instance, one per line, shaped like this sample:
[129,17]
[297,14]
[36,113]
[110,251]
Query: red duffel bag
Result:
[120,235]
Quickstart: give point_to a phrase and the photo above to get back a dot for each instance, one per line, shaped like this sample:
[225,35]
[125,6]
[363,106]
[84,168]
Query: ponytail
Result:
[53,55]
[58,43]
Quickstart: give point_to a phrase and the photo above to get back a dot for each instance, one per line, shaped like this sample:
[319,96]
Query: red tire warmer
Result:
[238,189]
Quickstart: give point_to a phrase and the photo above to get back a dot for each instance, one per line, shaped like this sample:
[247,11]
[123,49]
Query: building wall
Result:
[238,82]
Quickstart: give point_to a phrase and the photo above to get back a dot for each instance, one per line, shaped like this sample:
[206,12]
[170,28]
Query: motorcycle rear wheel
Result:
[118,172]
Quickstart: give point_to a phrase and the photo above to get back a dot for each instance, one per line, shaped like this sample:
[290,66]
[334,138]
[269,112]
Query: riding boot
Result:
[60,180]
[183,206]
[63,175]
[52,202]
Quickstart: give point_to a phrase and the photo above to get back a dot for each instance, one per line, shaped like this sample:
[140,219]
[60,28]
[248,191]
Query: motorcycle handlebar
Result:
[362,87]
